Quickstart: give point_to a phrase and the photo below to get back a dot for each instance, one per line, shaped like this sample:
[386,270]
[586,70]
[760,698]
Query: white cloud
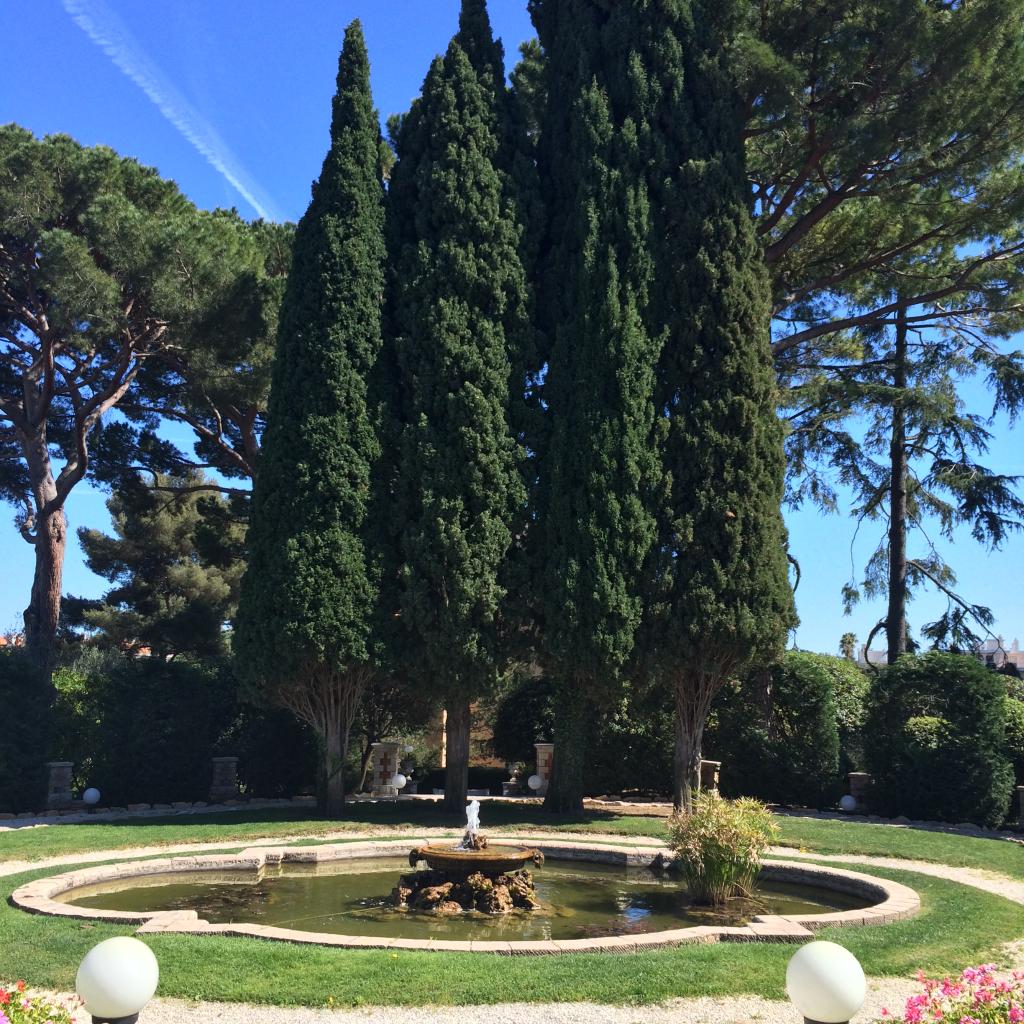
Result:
[109,33]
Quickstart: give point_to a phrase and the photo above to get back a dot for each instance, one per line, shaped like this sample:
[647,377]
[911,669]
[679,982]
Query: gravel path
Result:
[882,992]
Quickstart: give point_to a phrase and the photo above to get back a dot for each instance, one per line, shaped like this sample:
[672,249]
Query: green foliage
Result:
[633,744]
[597,461]
[1015,737]
[935,740]
[24,738]
[278,756]
[224,411]
[525,715]
[778,735]
[308,595]
[457,309]
[720,590]
[167,597]
[850,688]
[142,729]
[719,846]
[105,266]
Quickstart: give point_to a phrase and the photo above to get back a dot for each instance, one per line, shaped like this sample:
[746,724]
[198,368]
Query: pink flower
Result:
[1016,1014]
[969,1020]
[885,1012]
[4,1019]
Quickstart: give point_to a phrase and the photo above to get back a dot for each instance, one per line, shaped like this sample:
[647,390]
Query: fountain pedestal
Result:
[472,876]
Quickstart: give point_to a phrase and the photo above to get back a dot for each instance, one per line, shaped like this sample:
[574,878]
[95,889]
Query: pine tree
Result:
[457,309]
[169,595]
[598,464]
[305,623]
[720,598]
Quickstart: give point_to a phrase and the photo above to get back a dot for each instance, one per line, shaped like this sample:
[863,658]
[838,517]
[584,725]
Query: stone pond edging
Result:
[894,902]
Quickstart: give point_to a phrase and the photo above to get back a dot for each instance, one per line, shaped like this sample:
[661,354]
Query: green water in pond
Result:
[351,898]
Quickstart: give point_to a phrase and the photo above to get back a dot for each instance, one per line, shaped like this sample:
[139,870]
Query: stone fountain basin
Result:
[893,901]
[494,860]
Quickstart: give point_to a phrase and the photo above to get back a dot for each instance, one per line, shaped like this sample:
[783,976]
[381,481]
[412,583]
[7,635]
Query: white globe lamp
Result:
[91,796]
[116,979]
[398,780]
[848,804]
[826,983]
[535,782]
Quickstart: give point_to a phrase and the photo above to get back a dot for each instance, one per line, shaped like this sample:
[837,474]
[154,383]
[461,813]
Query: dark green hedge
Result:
[24,739]
[935,740]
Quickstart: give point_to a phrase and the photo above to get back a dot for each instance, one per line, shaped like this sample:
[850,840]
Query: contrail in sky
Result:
[109,33]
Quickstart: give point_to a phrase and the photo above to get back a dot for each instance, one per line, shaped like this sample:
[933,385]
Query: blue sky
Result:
[232,101]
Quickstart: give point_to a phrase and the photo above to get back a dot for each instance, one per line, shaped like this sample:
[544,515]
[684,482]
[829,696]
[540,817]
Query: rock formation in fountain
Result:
[469,876]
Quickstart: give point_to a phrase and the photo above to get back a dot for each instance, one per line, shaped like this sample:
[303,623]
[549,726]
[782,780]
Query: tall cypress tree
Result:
[457,305]
[720,597]
[598,460]
[305,624]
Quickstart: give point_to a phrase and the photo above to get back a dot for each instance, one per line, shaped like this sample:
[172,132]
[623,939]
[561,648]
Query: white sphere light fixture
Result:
[117,978]
[91,796]
[826,983]
[398,780]
[848,804]
[535,782]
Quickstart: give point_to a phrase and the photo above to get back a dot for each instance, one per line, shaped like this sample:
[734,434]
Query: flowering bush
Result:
[978,996]
[17,1006]
[719,845]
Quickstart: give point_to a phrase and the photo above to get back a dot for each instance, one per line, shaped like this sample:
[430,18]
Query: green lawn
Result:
[958,926]
[819,836]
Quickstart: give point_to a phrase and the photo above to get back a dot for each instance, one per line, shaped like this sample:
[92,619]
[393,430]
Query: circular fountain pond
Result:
[577,901]
[591,896]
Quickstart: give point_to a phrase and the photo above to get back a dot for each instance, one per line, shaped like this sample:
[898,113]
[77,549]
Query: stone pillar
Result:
[860,786]
[58,789]
[224,785]
[545,758]
[709,773]
[1020,806]
[384,758]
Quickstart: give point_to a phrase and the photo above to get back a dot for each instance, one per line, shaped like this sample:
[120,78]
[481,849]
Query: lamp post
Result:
[826,983]
[116,979]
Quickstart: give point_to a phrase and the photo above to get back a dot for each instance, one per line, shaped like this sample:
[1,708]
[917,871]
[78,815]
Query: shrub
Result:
[633,744]
[850,687]
[1015,737]
[278,756]
[777,733]
[524,715]
[24,734]
[719,845]
[935,739]
[147,727]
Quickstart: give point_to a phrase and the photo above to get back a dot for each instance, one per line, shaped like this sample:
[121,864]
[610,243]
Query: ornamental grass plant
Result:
[719,846]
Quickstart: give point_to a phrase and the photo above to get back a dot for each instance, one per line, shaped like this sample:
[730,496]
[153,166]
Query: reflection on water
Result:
[351,897]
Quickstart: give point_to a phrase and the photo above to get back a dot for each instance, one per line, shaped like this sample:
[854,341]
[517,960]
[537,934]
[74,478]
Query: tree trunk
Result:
[456,773]
[896,616]
[49,534]
[364,765]
[691,714]
[334,768]
[573,722]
